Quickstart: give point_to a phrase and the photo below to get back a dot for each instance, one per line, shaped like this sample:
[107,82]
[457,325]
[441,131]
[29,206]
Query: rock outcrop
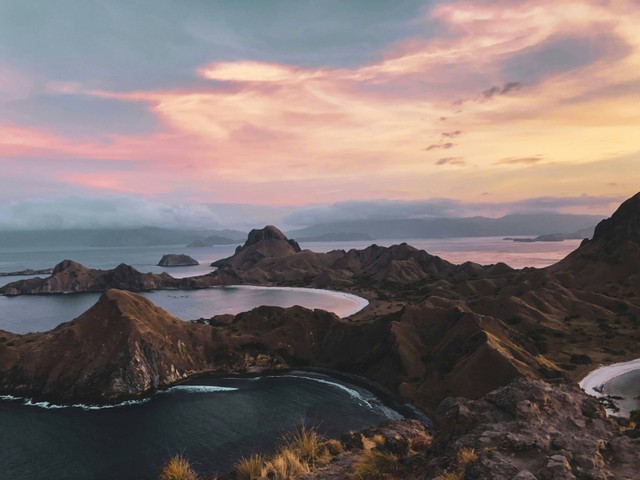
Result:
[527,430]
[530,429]
[177,260]
[268,242]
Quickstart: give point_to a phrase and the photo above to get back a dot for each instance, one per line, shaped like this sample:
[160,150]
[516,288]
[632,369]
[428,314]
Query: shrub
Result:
[178,468]
[249,468]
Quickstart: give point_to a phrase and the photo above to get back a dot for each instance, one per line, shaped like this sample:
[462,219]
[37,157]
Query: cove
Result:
[39,313]
[213,422]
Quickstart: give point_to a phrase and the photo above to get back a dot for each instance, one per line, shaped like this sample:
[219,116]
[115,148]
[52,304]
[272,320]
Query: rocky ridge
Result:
[71,277]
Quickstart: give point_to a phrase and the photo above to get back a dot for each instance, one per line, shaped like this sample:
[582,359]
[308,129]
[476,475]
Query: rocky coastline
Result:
[432,331]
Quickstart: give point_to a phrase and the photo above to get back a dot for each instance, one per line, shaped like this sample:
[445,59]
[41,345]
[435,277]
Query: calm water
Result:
[39,313]
[211,428]
[628,387]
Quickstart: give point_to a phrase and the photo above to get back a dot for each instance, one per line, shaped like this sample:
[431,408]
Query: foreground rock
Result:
[532,430]
[177,260]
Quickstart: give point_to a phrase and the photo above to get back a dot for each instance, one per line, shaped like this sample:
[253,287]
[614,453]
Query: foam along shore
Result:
[595,382]
[358,302]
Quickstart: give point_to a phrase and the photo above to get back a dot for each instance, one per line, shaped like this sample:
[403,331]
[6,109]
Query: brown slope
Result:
[121,347]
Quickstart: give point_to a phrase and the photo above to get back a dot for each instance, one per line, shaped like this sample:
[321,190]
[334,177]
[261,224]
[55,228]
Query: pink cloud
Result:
[363,131]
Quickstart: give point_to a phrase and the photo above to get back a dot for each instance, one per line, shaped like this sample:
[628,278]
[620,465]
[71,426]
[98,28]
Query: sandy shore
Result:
[594,382]
[358,302]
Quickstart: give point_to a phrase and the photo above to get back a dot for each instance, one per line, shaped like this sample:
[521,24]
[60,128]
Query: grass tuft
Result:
[466,456]
[375,465]
[308,445]
[178,468]
[455,475]
[249,468]
[286,465]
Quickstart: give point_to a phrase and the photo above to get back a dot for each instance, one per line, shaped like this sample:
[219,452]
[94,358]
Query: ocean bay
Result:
[213,428]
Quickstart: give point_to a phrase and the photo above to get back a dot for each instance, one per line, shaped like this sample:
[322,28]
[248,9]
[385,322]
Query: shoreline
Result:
[347,382]
[594,382]
[360,302]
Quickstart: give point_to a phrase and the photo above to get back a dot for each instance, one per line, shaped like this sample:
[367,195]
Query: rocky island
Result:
[177,260]
[433,331]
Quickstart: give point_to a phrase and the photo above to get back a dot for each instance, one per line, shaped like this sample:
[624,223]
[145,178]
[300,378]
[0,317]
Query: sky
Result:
[217,112]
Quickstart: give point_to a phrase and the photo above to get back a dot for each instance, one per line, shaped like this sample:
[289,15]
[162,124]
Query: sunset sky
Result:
[168,108]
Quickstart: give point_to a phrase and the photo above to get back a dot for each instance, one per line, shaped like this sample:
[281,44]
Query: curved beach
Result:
[594,383]
[358,302]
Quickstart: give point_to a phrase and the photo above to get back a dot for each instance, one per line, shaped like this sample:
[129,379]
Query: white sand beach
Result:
[594,382]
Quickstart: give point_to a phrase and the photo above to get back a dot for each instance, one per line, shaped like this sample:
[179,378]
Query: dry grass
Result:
[378,440]
[286,465]
[421,443]
[309,446]
[375,465]
[178,468]
[465,457]
[455,475]
[249,468]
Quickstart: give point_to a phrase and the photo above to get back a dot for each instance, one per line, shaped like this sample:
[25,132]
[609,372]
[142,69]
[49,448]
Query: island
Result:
[491,353]
[177,260]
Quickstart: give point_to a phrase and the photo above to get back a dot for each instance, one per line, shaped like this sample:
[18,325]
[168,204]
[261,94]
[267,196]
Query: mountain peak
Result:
[624,225]
[261,243]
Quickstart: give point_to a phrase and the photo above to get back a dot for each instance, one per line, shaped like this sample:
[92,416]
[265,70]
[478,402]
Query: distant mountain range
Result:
[361,230]
[514,224]
[116,237]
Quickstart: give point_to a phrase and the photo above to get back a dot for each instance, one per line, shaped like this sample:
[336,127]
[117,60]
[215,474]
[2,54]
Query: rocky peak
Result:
[272,233]
[624,225]
[261,243]
[66,265]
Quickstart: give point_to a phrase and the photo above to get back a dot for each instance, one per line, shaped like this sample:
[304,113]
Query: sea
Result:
[212,421]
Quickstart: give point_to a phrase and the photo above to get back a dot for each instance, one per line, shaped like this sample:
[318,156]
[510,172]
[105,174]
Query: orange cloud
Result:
[377,130]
